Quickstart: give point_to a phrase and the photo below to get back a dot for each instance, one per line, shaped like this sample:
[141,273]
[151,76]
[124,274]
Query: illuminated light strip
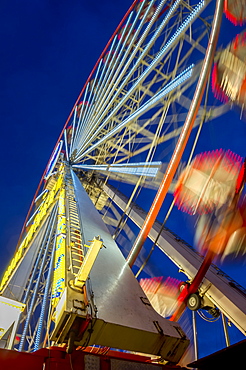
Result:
[141,169]
[90,99]
[59,261]
[84,121]
[34,214]
[125,63]
[36,223]
[53,160]
[43,194]
[182,77]
[66,144]
[74,122]
[45,300]
[74,129]
[144,75]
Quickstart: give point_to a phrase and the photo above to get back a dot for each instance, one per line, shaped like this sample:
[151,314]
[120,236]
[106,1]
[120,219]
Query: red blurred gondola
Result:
[162,293]
[235,11]
[81,106]
[229,72]
[151,11]
[124,35]
[208,182]
[224,234]
[108,57]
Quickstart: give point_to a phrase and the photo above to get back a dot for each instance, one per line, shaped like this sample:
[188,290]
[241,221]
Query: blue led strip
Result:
[149,169]
[120,65]
[157,59]
[125,63]
[186,74]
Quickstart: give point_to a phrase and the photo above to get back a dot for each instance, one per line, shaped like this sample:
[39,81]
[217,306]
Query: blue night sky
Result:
[49,48]
[48,51]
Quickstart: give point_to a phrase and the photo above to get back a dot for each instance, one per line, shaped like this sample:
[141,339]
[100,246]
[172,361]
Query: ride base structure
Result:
[90,305]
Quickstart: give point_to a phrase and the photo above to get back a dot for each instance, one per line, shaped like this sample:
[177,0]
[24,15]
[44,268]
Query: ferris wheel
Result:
[123,139]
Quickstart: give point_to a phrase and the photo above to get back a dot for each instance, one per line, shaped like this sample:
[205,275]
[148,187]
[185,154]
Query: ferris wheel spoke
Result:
[112,217]
[152,101]
[144,125]
[117,63]
[145,73]
[119,56]
[131,136]
[139,127]
[95,91]
[149,169]
[76,125]
[196,43]
[100,127]
[88,103]
[125,61]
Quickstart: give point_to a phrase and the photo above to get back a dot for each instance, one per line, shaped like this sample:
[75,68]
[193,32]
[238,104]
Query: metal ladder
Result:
[75,242]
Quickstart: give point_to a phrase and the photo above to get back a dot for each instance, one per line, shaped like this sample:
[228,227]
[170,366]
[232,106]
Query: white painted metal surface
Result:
[123,319]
